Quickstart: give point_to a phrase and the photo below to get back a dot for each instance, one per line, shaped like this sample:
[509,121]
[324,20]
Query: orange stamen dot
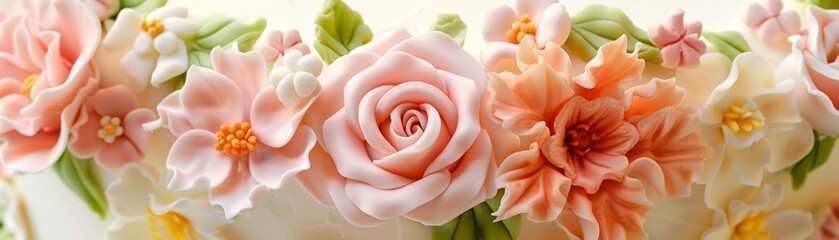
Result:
[28,83]
[521,28]
[152,26]
[236,140]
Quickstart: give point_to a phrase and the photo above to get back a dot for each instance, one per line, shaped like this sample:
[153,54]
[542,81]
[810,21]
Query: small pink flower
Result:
[280,43]
[45,74]
[505,26]
[110,128]
[680,44]
[772,25]
[233,133]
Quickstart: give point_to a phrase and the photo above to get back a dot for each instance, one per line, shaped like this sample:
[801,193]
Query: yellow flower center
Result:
[521,28]
[152,26]
[752,228]
[169,225]
[236,140]
[28,82]
[740,118]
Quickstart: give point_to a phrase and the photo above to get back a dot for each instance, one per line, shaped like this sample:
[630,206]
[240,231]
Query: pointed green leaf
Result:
[728,43]
[339,30]
[142,6]
[478,223]
[76,174]
[224,31]
[451,25]
[817,156]
[826,4]
[596,25]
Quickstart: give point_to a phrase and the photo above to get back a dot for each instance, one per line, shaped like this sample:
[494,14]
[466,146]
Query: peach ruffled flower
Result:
[772,25]
[278,44]
[110,128]
[679,42]
[402,135]
[585,134]
[816,59]
[505,26]
[233,133]
[45,75]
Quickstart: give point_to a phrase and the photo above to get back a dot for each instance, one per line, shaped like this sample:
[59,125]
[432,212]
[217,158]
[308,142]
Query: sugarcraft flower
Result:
[772,25]
[278,44]
[585,134]
[110,128]
[679,42]
[233,133]
[146,210]
[155,44]
[750,119]
[827,223]
[401,132]
[505,26]
[103,8]
[45,74]
[296,79]
[816,59]
[758,218]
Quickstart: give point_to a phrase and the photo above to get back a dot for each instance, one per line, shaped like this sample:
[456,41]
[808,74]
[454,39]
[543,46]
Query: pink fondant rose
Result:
[680,44]
[401,132]
[233,133]
[817,54]
[505,26]
[45,74]
[110,128]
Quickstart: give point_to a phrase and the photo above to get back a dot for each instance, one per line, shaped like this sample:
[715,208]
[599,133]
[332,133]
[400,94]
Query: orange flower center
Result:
[579,139]
[753,227]
[236,140]
[28,82]
[740,118]
[521,28]
[169,225]
[152,26]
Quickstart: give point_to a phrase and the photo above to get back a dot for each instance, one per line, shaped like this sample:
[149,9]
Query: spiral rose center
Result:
[169,225]
[753,227]
[579,139]
[152,26]
[521,28]
[412,123]
[237,139]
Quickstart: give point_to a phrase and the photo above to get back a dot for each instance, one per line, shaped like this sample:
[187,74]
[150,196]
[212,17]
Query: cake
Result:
[502,119]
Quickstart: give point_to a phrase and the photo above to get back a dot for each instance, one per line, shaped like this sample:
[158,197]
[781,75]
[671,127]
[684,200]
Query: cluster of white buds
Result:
[297,77]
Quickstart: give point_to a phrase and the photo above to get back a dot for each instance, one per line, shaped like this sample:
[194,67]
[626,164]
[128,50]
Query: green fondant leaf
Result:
[478,223]
[224,31]
[77,175]
[729,43]
[451,25]
[339,30]
[142,6]
[596,25]
[816,158]
[826,4]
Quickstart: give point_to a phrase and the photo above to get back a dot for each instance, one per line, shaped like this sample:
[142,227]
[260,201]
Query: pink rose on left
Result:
[45,75]
[233,133]
[401,132]
[110,128]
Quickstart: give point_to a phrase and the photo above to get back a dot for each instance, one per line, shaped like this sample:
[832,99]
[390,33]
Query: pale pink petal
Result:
[605,73]
[118,153]
[391,203]
[499,57]
[661,36]
[86,142]
[790,22]
[534,8]
[651,97]
[769,30]
[273,167]
[532,186]
[448,56]
[114,101]
[755,15]
[554,26]
[246,70]
[31,154]
[238,192]
[383,44]
[496,21]
[273,122]
[173,115]
[210,100]
[193,158]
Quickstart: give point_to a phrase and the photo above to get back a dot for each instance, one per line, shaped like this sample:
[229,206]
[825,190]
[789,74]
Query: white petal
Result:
[749,163]
[277,75]
[139,69]
[790,224]
[104,120]
[167,12]
[116,121]
[180,27]
[125,29]
[144,45]
[101,133]
[291,59]
[788,147]
[305,84]
[129,194]
[311,63]
[702,80]
[286,92]
[170,65]
[137,228]
[119,132]
[166,43]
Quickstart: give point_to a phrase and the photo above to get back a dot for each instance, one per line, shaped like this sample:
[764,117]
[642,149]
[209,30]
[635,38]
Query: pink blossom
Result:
[110,128]
[772,25]
[278,43]
[679,42]
[45,75]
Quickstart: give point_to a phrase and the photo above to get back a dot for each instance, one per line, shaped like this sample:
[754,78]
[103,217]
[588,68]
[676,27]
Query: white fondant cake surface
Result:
[290,213]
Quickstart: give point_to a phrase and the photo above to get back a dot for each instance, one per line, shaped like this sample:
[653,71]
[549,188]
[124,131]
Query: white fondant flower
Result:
[157,48]
[297,77]
[13,222]
[758,219]
[146,210]
[752,122]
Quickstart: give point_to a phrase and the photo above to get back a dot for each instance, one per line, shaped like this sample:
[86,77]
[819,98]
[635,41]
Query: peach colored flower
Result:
[278,44]
[233,134]
[615,212]
[45,75]
[816,56]
[402,132]
[505,26]
[772,25]
[110,128]
[680,44]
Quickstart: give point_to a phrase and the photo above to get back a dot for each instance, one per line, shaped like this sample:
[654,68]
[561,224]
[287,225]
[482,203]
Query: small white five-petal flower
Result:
[297,78]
